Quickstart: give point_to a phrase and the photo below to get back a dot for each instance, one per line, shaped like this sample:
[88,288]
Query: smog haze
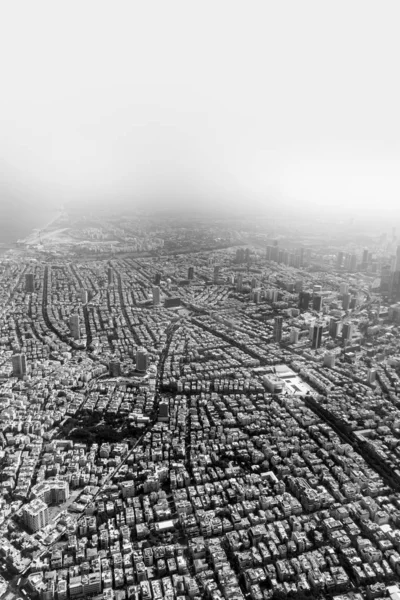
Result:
[183,104]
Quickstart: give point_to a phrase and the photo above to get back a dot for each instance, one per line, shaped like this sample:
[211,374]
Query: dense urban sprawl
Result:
[198,410]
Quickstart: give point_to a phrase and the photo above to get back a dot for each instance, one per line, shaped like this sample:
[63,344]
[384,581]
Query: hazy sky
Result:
[255,101]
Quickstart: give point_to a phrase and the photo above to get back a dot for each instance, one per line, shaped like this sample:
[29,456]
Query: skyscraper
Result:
[29,283]
[371,376]
[163,411]
[142,360]
[316,336]
[278,328]
[386,277]
[353,302]
[114,368]
[347,331]
[334,325]
[216,273]
[239,282]
[156,295]
[317,302]
[190,273]
[110,276]
[74,326]
[346,301]
[19,365]
[304,300]
[84,296]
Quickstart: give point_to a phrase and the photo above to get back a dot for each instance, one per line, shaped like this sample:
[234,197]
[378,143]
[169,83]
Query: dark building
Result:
[278,328]
[142,360]
[163,411]
[317,302]
[156,295]
[29,283]
[110,276]
[190,273]
[172,302]
[347,331]
[74,326]
[157,279]
[115,368]
[316,336]
[217,269]
[334,325]
[19,365]
[304,300]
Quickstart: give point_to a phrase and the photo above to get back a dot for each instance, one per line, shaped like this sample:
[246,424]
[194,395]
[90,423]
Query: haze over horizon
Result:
[228,104]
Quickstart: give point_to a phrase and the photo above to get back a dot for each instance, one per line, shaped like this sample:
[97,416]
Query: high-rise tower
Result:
[142,360]
[29,283]
[278,328]
[156,295]
[19,365]
[316,336]
[74,327]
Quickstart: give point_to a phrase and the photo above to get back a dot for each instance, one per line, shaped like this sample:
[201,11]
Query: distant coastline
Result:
[17,227]
[36,230]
